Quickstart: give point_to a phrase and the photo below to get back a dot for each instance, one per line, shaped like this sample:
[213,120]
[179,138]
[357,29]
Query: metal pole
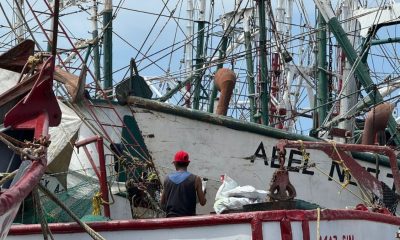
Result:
[250,65]
[189,49]
[350,87]
[322,84]
[222,55]
[103,177]
[95,36]
[19,23]
[107,45]
[53,42]
[199,56]
[265,98]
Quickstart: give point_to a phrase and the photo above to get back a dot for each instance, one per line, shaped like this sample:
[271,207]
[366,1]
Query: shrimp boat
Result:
[358,223]
[110,153]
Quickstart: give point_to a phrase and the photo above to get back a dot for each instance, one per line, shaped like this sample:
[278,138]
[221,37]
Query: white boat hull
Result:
[272,225]
[215,149]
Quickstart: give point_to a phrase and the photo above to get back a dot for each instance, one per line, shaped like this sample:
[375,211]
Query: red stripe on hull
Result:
[253,218]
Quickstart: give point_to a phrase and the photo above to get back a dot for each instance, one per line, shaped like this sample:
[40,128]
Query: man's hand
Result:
[199,191]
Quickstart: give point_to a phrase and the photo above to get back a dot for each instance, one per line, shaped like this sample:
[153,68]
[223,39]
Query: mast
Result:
[54,32]
[263,64]
[107,46]
[322,84]
[95,36]
[249,64]
[348,80]
[288,126]
[276,104]
[222,55]
[19,23]
[189,48]
[199,55]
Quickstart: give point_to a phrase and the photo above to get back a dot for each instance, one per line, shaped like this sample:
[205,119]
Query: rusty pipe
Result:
[225,80]
[376,121]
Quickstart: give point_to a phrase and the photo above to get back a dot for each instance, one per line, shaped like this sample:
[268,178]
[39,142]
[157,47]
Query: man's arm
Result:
[199,191]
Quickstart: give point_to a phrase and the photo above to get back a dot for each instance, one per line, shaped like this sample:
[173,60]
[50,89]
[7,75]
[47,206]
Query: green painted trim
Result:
[136,148]
[107,45]
[384,41]
[199,65]
[265,84]
[96,55]
[222,55]
[180,85]
[238,125]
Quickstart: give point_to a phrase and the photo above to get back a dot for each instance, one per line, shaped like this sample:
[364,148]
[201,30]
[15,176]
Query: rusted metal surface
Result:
[75,85]
[376,121]
[338,152]
[16,58]
[281,189]
[225,80]
[40,97]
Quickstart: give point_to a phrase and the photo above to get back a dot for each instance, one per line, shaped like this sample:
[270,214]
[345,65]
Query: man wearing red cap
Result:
[181,189]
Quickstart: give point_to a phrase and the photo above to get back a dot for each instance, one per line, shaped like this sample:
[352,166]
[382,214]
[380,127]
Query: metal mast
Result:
[265,98]
[95,36]
[288,70]
[349,83]
[107,46]
[189,49]
[199,55]
[322,83]
[19,22]
[222,54]
[249,64]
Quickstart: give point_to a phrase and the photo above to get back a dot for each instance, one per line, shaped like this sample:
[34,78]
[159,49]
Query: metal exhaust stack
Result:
[376,121]
[225,80]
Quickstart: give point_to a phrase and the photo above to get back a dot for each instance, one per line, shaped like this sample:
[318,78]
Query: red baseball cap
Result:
[181,156]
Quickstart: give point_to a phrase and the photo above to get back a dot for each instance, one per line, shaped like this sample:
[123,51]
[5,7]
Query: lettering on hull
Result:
[53,185]
[337,237]
[295,163]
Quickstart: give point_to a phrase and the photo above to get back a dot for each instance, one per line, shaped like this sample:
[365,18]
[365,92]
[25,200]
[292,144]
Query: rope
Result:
[89,230]
[32,151]
[341,163]
[318,221]
[96,204]
[8,177]
[335,180]
[97,201]
[43,222]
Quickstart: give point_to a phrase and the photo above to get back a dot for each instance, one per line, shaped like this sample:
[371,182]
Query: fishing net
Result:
[79,199]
